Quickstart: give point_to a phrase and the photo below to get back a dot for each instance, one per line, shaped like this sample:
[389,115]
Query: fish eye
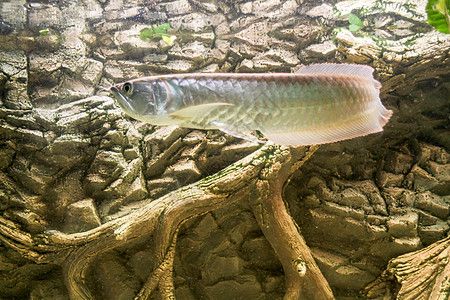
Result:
[127,87]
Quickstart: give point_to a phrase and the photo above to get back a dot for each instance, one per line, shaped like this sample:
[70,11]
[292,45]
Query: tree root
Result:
[162,276]
[422,274]
[303,277]
[264,172]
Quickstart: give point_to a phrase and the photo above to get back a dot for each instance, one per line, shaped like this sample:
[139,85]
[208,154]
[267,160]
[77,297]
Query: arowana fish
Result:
[319,104]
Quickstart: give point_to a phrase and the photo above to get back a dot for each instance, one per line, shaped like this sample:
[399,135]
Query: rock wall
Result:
[70,160]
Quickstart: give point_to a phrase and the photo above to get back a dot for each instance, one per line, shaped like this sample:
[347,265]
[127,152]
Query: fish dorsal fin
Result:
[341,69]
[196,111]
[349,69]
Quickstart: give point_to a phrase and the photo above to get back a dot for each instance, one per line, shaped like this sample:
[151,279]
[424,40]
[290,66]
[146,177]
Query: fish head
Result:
[136,98]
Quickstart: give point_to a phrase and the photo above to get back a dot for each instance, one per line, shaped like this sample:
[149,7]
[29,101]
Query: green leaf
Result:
[440,6]
[44,32]
[354,28]
[146,34]
[159,31]
[355,20]
[169,39]
[162,28]
[438,12]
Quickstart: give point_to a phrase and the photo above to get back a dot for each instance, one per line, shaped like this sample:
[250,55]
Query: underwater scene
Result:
[208,149]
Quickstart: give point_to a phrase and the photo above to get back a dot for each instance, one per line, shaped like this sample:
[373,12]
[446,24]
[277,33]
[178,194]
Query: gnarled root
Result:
[162,276]
[303,277]
[264,172]
[422,274]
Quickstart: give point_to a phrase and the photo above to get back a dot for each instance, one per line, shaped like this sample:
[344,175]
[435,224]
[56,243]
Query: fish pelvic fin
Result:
[240,133]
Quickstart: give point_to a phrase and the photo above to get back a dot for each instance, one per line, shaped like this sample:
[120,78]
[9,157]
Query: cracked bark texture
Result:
[75,171]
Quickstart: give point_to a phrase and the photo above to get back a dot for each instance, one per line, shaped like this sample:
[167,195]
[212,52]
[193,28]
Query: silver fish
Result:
[319,104]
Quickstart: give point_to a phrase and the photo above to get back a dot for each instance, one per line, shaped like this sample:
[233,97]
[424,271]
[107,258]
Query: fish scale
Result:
[320,104]
[243,95]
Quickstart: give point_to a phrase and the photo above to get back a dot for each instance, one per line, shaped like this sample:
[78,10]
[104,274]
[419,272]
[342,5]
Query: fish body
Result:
[321,103]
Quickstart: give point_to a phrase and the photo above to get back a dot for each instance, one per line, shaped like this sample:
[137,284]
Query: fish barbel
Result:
[319,104]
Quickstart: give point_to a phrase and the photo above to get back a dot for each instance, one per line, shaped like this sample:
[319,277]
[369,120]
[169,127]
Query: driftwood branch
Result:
[422,274]
[265,172]
[162,276]
[303,278]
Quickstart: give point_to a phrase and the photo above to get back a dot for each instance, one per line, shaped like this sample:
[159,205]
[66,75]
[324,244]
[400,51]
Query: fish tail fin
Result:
[384,116]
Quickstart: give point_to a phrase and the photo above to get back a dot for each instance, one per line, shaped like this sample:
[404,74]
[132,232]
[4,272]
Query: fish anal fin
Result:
[316,137]
[334,133]
[196,111]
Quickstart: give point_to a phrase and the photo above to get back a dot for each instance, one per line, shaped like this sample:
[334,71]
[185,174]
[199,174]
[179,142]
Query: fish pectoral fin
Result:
[196,111]
[244,134]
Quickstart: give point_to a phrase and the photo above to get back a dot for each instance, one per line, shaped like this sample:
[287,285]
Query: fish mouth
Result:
[115,90]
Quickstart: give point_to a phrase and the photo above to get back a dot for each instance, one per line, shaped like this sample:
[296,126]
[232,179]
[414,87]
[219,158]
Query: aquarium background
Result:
[70,160]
